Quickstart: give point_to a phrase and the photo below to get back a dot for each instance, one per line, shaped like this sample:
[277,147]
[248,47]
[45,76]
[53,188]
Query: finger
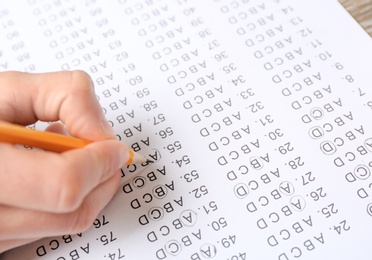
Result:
[17,223]
[47,181]
[67,96]
[9,244]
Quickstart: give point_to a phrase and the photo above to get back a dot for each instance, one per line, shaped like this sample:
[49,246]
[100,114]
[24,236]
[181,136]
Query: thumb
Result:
[109,155]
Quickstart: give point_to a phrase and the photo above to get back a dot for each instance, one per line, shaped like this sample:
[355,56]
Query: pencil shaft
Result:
[15,134]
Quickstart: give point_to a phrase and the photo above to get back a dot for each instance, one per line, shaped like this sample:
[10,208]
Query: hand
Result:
[44,193]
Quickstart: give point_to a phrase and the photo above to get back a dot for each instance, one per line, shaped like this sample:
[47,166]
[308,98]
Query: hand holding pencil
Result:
[45,193]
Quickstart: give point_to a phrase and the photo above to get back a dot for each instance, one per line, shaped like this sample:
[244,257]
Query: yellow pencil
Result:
[15,134]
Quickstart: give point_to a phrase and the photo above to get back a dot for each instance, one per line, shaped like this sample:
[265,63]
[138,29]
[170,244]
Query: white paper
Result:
[258,114]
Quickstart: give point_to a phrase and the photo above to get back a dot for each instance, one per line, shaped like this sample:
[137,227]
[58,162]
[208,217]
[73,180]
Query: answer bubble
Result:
[241,190]
[369,209]
[154,155]
[208,251]
[286,188]
[362,172]
[173,247]
[328,147]
[188,217]
[368,144]
[317,113]
[298,203]
[139,182]
[160,191]
[156,213]
[316,132]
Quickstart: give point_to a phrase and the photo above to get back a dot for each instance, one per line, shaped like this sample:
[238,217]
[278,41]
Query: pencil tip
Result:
[149,161]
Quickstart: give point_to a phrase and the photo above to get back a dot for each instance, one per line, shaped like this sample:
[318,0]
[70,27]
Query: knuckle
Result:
[81,80]
[83,219]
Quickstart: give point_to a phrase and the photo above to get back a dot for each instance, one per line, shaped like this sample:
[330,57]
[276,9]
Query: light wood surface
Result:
[361,10]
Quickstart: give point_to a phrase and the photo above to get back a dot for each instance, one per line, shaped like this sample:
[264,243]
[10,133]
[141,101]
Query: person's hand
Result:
[44,193]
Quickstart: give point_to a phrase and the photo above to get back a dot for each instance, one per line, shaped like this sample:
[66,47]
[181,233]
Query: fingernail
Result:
[63,129]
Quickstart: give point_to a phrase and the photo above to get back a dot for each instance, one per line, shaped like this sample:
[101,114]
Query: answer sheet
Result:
[258,115]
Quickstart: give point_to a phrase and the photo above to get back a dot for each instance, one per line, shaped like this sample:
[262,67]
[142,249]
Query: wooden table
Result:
[361,10]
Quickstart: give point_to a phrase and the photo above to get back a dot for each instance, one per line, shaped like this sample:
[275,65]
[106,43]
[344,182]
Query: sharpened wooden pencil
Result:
[15,134]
